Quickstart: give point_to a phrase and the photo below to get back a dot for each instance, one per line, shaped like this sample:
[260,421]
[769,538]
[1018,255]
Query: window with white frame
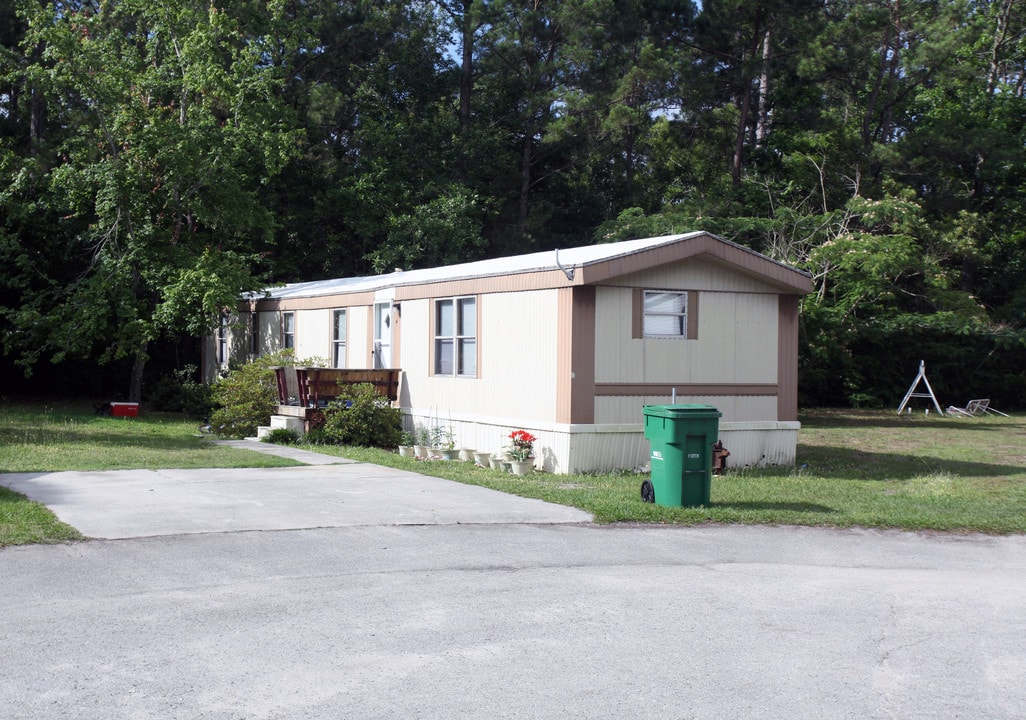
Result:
[665,314]
[338,338]
[288,330]
[455,337]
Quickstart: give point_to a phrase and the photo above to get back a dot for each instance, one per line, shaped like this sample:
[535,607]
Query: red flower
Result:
[522,444]
[522,436]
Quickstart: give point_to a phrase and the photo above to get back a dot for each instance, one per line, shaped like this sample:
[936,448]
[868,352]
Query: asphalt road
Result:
[514,617]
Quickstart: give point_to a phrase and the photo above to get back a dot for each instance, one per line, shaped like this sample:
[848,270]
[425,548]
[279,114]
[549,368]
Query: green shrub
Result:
[361,417]
[317,436]
[282,436]
[180,391]
[247,396]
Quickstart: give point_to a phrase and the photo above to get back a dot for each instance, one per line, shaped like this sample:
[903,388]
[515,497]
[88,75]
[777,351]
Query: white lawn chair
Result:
[975,407]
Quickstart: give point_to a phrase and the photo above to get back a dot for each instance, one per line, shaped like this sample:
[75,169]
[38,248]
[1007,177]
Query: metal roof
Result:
[545,261]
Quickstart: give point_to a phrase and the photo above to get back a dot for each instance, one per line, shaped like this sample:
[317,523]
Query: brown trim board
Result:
[319,302]
[787,357]
[397,336]
[575,359]
[650,389]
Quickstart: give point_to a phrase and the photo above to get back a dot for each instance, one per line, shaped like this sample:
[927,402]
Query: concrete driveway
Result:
[333,493]
[403,611]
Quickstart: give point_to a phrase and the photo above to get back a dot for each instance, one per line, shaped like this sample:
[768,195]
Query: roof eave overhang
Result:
[693,245]
[705,246]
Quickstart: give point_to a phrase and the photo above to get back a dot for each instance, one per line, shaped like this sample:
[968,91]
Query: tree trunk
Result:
[136,381]
[37,111]
[762,125]
[466,69]
[874,95]
[629,152]
[746,100]
[466,90]
[525,174]
[994,70]
[882,96]
[739,138]
[1000,35]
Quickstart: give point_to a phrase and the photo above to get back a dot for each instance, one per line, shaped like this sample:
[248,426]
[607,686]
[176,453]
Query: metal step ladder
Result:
[913,394]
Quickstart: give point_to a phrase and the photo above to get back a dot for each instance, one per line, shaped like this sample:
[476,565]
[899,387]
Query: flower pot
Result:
[495,462]
[467,454]
[482,458]
[448,453]
[407,451]
[521,467]
[421,451]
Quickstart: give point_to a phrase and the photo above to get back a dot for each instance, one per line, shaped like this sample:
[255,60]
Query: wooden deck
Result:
[315,387]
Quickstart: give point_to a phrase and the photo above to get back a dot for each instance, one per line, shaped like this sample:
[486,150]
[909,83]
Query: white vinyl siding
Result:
[514,379]
[732,338]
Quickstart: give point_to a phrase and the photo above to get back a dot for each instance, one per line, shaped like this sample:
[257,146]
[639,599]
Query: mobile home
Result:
[567,344]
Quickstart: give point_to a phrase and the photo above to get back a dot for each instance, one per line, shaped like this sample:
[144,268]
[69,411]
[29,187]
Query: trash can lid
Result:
[682,410]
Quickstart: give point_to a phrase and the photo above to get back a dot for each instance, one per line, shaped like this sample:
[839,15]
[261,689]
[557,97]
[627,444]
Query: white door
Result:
[383,335]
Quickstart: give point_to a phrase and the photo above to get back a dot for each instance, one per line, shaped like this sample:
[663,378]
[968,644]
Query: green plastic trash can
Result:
[681,437]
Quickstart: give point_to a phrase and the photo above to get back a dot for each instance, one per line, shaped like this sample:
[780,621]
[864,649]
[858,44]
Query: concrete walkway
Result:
[307,457]
[327,492]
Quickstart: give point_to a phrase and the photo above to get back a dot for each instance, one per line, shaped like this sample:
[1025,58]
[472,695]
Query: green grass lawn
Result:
[47,439]
[855,468]
[50,438]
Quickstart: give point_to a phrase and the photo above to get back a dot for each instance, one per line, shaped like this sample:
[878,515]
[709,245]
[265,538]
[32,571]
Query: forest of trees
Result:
[158,158]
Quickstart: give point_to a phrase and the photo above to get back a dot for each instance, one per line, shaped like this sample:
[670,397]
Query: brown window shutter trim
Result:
[692,331]
[638,314]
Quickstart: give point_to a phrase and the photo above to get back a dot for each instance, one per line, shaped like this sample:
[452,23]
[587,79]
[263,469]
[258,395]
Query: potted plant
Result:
[406,448]
[421,448]
[444,441]
[521,451]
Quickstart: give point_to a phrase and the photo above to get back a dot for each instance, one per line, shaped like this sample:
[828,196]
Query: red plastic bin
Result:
[124,409]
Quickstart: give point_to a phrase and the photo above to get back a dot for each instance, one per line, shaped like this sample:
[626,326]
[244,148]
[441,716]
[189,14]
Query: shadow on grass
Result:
[880,419]
[844,463]
[97,436]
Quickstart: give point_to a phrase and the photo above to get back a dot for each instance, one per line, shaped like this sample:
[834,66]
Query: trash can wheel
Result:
[647,491]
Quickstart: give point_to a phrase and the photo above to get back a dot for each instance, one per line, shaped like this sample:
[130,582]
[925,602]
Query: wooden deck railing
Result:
[312,387]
